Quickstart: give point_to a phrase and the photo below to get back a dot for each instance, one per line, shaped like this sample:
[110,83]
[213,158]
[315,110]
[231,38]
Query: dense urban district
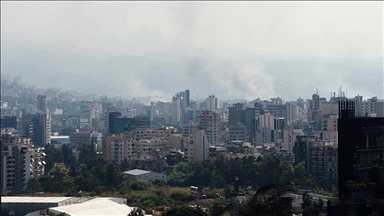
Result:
[68,153]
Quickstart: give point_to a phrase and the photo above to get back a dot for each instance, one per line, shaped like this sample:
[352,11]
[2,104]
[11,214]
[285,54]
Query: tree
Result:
[266,201]
[33,185]
[184,210]
[124,166]
[311,208]
[136,212]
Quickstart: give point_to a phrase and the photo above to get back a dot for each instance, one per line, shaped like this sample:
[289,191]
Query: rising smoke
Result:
[231,78]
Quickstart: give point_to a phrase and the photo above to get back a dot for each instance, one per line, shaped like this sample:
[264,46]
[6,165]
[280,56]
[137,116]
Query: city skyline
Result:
[192,108]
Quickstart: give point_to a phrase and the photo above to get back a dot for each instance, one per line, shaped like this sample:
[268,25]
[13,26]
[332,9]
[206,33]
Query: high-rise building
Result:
[20,161]
[212,103]
[281,111]
[187,97]
[111,120]
[237,133]
[86,111]
[119,124]
[8,121]
[352,143]
[251,115]
[176,112]
[209,121]
[236,114]
[41,129]
[320,157]
[38,128]
[41,103]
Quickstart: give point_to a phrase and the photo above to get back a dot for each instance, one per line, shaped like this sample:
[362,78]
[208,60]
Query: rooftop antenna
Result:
[317,91]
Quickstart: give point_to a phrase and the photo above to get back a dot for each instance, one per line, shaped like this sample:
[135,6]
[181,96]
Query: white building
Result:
[212,103]
[20,161]
[31,206]
[144,175]
[176,115]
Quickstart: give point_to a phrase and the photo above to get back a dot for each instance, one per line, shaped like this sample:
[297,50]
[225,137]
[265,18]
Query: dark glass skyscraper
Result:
[187,97]
[352,138]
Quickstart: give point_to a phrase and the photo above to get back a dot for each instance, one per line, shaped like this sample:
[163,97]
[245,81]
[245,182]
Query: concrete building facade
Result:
[198,147]
[20,161]
[209,121]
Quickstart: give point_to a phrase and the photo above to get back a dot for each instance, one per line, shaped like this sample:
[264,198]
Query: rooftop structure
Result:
[145,175]
[71,206]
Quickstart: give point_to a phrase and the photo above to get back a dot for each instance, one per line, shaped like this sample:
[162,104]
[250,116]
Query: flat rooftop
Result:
[26,199]
[136,172]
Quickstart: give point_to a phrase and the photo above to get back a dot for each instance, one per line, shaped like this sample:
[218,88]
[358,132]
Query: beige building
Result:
[290,137]
[327,135]
[175,141]
[198,145]
[144,141]
[167,137]
[266,120]
[118,147]
[329,123]
[329,108]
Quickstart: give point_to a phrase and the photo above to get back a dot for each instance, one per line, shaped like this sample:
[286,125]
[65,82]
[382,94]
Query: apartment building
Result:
[116,148]
[209,121]
[323,161]
[20,161]
[212,103]
[198,147]
[238,132]
[38,127]
[329,123]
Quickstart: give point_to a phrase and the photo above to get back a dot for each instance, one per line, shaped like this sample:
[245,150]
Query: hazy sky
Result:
[324,29]
[218,39]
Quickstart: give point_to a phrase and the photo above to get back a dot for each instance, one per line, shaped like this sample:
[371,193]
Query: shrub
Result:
[180,196]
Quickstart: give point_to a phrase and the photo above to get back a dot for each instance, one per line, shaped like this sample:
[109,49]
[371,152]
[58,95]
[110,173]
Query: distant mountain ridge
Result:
[158,75]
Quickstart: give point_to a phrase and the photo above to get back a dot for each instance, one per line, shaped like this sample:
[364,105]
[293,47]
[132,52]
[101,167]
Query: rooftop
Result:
[26,199]
[96,206]
[136,172]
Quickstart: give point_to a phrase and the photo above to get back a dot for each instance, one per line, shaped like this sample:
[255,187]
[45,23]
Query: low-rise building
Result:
[216,152]
[145,175]
[33,206]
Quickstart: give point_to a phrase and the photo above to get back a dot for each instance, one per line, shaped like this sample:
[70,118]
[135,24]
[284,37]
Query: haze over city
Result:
[192,108]
[231,49]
